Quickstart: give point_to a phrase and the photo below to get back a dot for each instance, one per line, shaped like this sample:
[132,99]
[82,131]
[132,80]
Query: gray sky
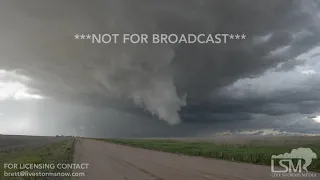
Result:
[51,83]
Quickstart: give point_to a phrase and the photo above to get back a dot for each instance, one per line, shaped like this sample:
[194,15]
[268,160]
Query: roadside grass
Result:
[249,153]
[58,152]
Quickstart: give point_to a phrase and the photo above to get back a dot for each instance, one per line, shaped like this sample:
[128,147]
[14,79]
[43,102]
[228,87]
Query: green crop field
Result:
[60,151]
[257,152]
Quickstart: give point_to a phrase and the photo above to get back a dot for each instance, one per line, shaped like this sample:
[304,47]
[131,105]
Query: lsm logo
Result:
[291,164]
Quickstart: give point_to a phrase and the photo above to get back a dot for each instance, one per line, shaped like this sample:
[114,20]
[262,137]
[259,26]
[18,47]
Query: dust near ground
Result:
[117,162]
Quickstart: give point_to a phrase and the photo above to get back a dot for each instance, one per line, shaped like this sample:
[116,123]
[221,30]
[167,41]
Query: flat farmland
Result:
[34,150]
[255,140]
[14,142]
[247,149]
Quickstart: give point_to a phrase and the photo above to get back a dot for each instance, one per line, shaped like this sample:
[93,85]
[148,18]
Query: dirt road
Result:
[116,162]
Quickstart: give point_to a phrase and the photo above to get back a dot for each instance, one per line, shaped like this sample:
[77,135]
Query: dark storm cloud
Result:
[289,65]
[162,78]
[273,102]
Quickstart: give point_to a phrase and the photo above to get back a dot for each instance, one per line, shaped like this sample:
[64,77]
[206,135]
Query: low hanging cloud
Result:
[161,78]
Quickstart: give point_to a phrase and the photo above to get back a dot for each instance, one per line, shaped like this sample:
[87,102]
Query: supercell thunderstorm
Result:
[161,78]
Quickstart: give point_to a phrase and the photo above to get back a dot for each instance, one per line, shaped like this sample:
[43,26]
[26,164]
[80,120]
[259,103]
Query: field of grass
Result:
[55,152]
[252,152]
[15,142]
